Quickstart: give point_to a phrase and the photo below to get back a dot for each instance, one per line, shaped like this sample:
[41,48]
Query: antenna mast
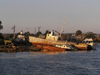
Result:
[35,29]
[14,32]
[39,29]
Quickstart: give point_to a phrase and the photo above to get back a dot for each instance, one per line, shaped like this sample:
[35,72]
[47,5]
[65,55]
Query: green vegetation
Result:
[38,33]
[1,27]
[90,35]
[47,31]
[78,36]
[78,32]
[27,34]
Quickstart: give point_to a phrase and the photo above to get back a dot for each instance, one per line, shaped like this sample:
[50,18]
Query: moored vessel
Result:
[50,48]
[52,40]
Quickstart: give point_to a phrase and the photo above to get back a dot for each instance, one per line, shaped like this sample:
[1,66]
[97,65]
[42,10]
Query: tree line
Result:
[27,34]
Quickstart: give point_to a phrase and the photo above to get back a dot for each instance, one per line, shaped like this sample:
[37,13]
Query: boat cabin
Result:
[51,36]
[88,41]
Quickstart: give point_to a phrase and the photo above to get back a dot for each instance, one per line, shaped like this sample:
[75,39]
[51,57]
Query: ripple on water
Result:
[46,63]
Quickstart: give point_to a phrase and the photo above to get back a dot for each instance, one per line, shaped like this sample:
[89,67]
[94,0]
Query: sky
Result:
[27,15]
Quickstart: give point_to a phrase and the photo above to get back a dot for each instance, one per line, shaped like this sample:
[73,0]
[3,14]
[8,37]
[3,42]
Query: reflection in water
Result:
[27,54]
[51,63]
[54,53]
[57,52]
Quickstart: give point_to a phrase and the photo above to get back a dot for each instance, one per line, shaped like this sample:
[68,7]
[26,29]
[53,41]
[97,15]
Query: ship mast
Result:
[62,27]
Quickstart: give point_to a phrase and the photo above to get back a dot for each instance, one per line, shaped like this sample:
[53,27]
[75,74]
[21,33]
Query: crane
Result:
[62,27]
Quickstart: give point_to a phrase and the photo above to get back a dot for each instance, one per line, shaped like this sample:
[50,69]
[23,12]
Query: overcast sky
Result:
[81,15]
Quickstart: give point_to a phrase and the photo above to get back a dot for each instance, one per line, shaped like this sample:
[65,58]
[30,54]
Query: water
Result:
[51,63]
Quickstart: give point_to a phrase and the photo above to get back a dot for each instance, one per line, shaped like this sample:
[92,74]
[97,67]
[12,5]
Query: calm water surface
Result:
[51,63]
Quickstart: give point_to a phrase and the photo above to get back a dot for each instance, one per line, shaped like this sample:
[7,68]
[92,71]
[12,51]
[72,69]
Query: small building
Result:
[73,34]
